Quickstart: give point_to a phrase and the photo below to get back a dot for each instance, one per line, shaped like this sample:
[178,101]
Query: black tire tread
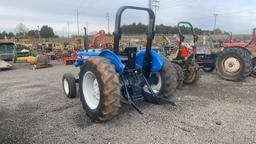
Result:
[170,79]
[72,85]
[111,88]
[246,60]
[196,78]
[179,74]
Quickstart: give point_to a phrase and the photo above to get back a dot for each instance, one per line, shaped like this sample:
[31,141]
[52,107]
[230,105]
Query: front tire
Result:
[99,88]
[69,85]
[192,74]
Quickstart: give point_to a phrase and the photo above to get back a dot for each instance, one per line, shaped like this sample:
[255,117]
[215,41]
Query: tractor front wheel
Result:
[69,85]
[100,89]
[192,74]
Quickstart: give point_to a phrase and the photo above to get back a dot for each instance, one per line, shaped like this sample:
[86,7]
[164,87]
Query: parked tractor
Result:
[183,57]
[233,60]
[237,59]
[107,78]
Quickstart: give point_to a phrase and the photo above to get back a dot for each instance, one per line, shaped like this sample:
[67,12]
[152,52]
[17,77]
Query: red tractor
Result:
[71,58]
[232,42]
[237,60]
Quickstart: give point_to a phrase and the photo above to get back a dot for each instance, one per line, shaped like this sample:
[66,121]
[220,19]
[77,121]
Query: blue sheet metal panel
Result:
[114,59]
[82,55]
[157,61]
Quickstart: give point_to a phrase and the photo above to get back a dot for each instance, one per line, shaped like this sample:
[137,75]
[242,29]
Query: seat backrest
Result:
[131,55]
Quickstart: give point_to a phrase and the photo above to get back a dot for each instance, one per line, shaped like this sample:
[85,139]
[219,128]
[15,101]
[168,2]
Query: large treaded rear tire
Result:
[169,79]
[244,59]
[253,74]
[179,74]
[109,89]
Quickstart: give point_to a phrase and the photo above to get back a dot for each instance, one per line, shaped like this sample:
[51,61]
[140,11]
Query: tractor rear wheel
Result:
[192,74]
[179,74]
[253,67]
[69,85]
[166,81]
[100,89]
[234,64]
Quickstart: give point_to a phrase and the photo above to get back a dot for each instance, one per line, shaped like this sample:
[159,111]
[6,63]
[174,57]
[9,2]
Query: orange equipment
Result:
[93,44]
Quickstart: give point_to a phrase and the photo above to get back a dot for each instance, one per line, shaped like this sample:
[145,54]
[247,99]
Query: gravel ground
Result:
[33,109]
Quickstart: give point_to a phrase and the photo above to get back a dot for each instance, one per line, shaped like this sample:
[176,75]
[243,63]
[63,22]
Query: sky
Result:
[237,16]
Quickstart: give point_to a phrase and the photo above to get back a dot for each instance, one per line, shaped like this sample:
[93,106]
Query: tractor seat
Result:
[129,57]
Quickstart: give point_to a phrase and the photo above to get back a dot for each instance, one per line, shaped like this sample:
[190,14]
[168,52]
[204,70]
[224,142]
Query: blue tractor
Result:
[109,78]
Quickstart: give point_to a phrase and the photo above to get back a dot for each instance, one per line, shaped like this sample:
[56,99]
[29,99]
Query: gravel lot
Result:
[33,109]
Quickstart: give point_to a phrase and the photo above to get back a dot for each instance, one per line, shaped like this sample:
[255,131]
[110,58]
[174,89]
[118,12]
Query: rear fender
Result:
[157,61]
[114,59]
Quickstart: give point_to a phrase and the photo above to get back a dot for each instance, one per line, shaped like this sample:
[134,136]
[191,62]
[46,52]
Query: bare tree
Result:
[21,28]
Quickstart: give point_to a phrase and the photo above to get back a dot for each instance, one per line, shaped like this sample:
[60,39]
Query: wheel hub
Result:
[232,65]
[91,90]
[156,86]
[66,86]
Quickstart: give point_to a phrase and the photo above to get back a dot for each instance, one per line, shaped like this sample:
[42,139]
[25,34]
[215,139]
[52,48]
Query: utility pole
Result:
[215,21]
[38,33]
[77,21]
[68,29]
[155,6]
[150,4]
[107,16]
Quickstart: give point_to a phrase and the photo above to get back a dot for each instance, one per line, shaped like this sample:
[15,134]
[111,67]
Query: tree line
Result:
[139,28]
[23,32]
[135,28]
